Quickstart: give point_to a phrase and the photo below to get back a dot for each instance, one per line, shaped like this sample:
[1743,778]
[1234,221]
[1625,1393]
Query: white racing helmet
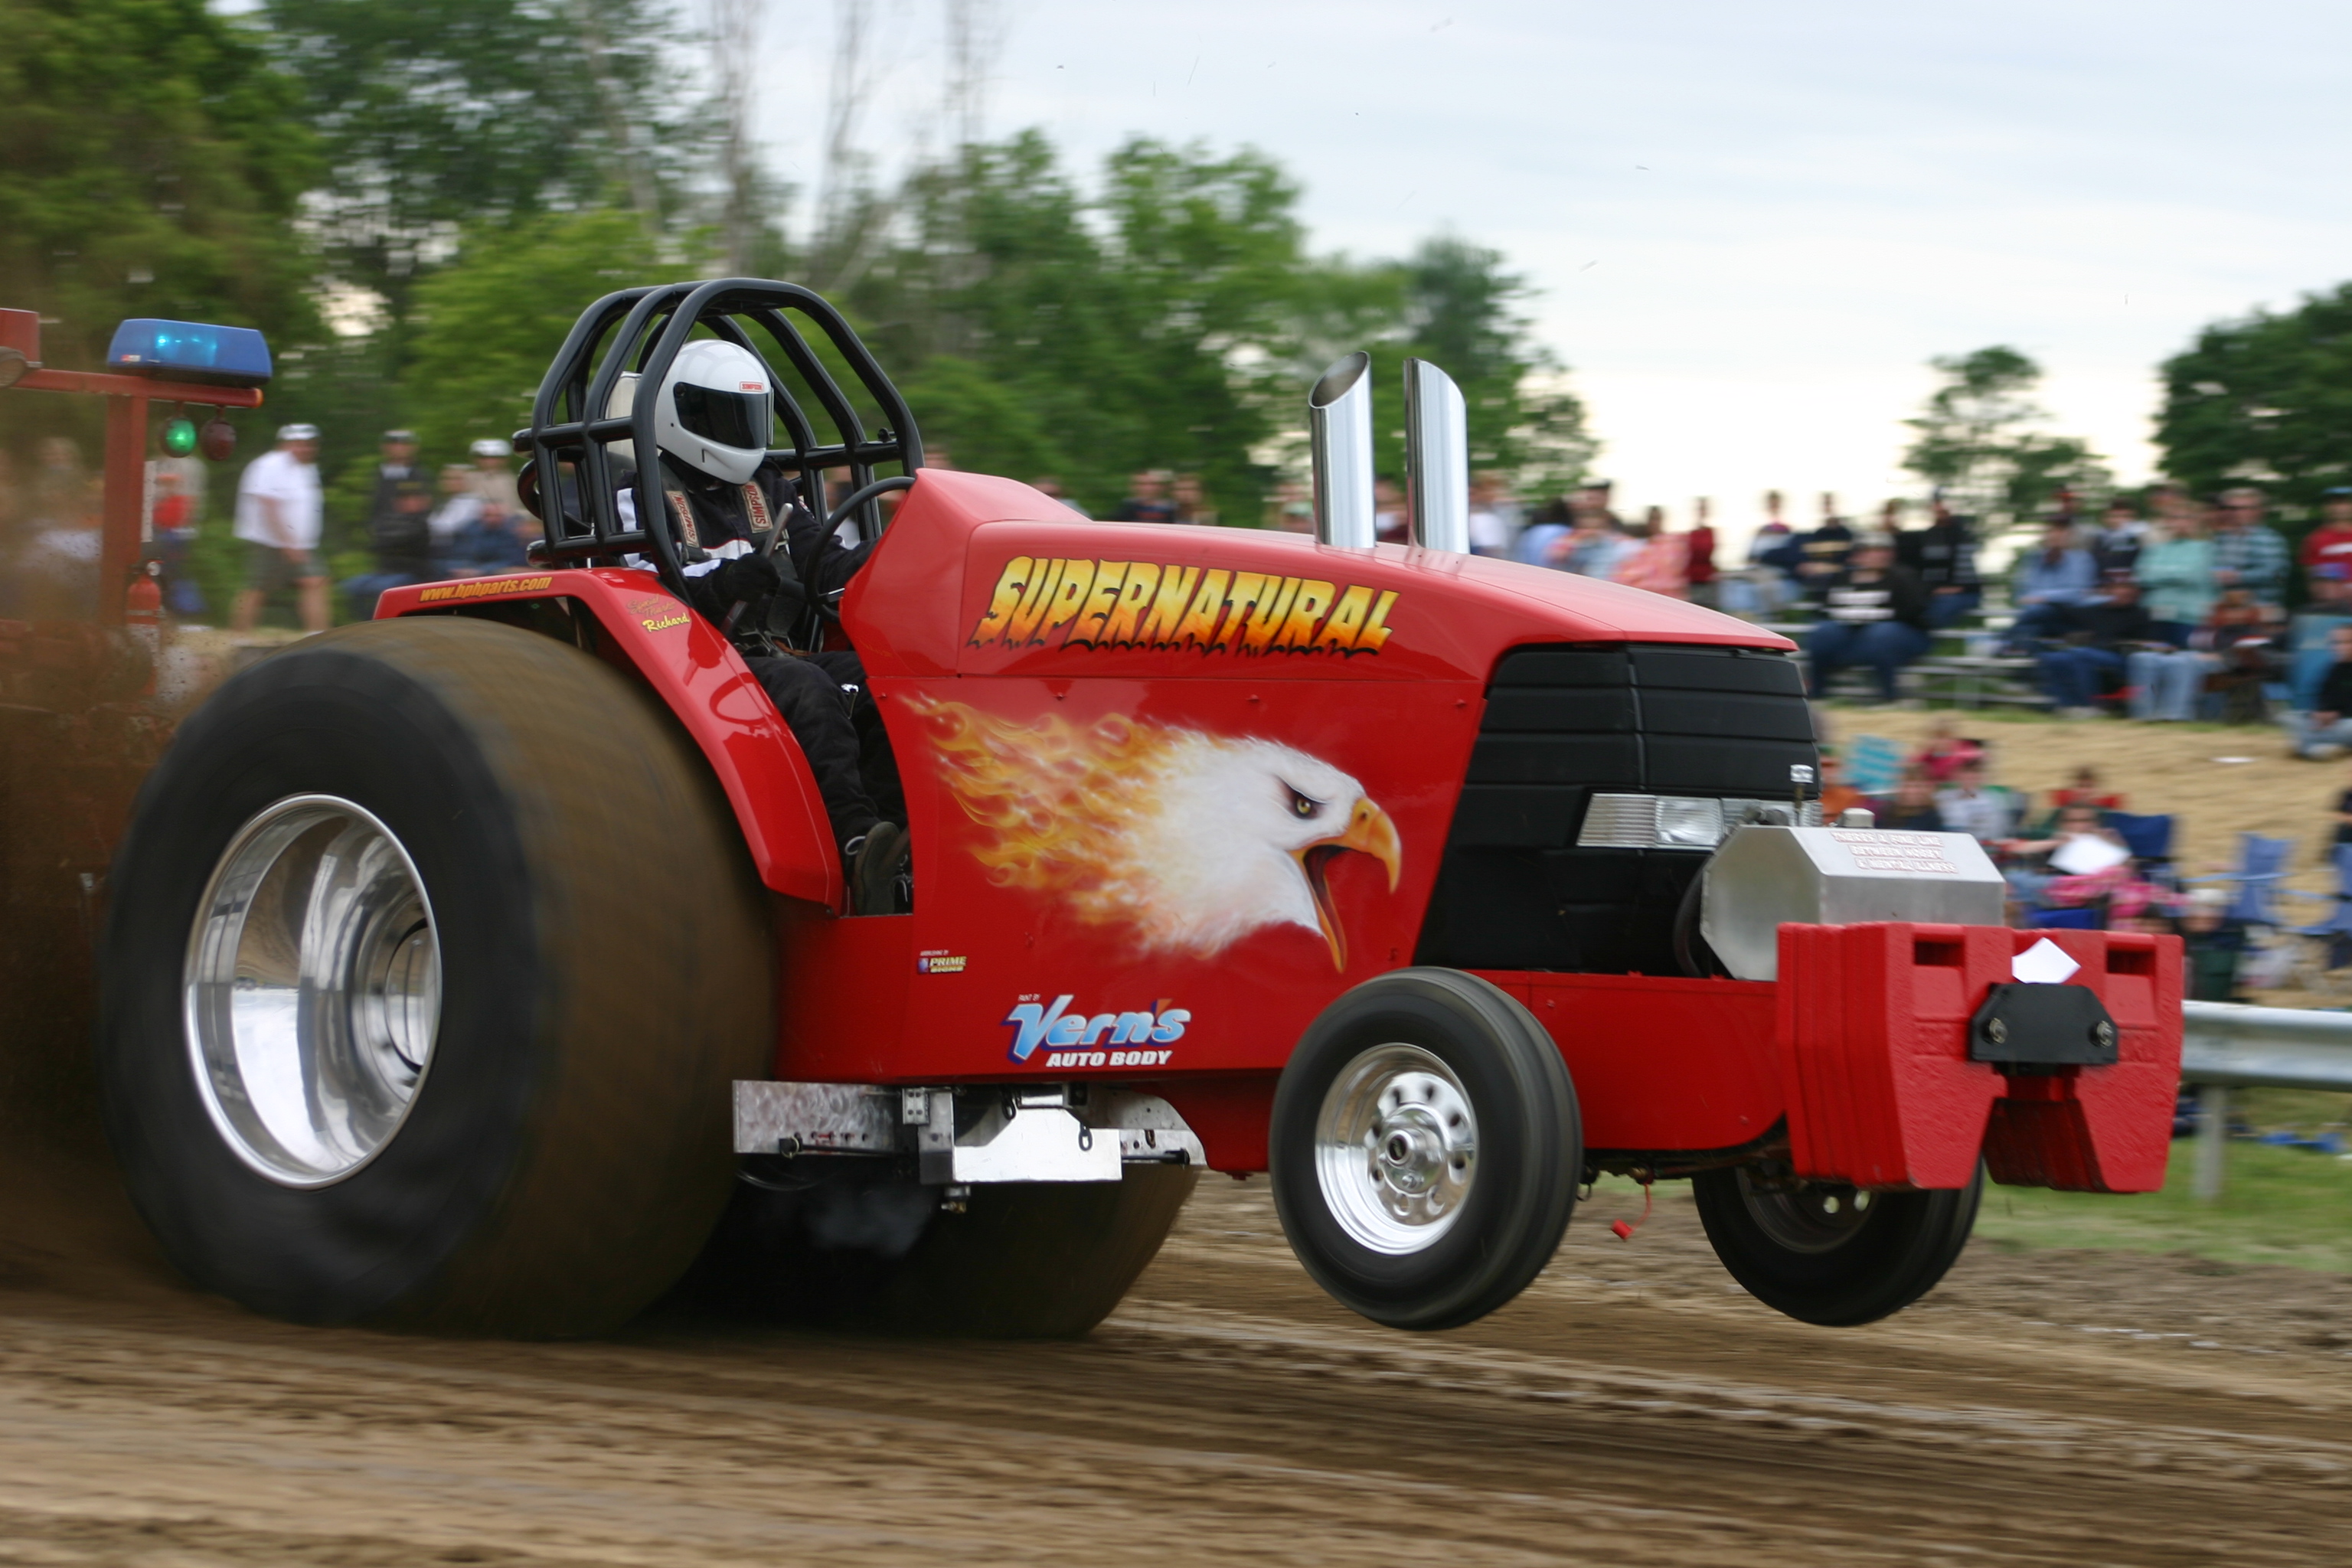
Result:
[712,414]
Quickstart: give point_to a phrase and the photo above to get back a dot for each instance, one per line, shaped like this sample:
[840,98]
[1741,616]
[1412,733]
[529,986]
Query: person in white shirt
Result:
[278,518]
[1491,533]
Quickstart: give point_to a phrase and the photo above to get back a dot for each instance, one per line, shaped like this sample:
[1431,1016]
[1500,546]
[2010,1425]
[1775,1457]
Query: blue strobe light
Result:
[190,351]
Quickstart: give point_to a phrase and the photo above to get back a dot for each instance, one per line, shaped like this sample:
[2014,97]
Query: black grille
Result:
[1515,892]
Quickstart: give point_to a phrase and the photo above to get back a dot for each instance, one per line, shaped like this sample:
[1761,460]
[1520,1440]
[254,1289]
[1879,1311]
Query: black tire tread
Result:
[1910,1244]
[653,989]
[1033,1260]
[1549,1130]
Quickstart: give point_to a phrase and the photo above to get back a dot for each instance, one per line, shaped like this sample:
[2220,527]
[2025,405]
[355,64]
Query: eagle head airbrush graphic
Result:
[1190,840]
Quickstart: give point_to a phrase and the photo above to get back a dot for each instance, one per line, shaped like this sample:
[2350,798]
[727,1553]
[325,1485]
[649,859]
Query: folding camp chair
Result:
[2149,838]
[2332,936]
[2261,863]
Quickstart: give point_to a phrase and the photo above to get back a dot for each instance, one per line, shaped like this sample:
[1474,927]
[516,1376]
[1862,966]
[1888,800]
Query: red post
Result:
[126,492]
[127,397]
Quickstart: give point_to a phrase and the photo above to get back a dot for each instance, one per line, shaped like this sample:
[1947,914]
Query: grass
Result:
[2289,1206]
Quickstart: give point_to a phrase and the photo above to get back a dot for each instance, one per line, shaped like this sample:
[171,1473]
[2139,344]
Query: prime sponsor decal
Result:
[1062,602]
[1052,1036]
[484,588]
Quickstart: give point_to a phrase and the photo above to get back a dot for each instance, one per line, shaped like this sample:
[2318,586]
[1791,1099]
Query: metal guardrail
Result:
[2224,1046]
[2265,1047]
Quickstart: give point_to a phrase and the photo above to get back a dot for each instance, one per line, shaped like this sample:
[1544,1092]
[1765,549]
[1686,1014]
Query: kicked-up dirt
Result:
[1633,1407]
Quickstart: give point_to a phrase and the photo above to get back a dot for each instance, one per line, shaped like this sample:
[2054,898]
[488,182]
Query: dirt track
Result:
[1633,1407]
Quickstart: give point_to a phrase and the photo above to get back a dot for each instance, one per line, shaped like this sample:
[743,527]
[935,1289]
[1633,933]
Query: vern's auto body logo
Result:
[1071,1039]
[1050,602]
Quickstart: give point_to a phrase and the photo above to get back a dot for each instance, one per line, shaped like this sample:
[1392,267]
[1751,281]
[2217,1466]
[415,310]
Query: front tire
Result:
[1426,1148]
[431,955]
[1826,1253]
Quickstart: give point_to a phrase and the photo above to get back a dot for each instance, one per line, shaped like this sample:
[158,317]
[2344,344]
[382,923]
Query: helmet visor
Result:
[736,419]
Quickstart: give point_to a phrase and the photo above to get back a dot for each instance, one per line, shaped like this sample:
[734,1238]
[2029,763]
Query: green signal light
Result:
[179,436]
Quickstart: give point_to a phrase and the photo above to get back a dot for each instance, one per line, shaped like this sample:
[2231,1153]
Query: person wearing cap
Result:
[495,483]
[2331,542]
[2099,636]
[278,518]
[398,530]
[1874,612]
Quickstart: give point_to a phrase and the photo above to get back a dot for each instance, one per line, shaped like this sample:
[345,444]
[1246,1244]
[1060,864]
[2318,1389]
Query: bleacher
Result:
[1949,674]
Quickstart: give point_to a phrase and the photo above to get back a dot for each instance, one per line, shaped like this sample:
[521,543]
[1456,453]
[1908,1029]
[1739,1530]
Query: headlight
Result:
[1675,822]
[1691,823]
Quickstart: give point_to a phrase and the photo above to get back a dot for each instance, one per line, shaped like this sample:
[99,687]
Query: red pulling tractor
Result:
[483,966]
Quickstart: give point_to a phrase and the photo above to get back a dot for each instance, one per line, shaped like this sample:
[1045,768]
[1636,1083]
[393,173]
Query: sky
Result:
[1751,227]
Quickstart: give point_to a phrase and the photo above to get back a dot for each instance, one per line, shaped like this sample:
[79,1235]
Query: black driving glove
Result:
[746,578]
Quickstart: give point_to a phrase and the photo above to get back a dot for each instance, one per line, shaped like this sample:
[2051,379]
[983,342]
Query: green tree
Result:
[152,165]
[1979,440]
[1038,328]
[2266,399]
[439,118]
[487,325]
[1170,318]
[1461,312]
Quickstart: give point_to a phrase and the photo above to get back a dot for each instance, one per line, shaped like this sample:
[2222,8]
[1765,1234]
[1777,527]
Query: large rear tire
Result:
[843,1244]
[1825,1252]
[431,954]
[1426,1148]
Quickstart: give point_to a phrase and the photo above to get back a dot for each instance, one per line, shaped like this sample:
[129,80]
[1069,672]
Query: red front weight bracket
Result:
[1873,1033]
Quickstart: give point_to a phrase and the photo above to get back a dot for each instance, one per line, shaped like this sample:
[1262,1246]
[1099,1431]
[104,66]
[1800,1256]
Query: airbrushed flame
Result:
[1188,839]
[1054,798]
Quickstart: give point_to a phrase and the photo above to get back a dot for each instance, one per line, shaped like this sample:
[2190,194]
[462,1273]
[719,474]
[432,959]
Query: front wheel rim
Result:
[311,994]
[1396,1149]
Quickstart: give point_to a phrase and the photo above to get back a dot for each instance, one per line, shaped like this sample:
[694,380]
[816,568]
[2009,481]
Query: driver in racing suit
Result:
[723,495]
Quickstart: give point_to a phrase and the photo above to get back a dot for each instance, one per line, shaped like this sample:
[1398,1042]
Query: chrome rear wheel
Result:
[358,1060]
[312,990]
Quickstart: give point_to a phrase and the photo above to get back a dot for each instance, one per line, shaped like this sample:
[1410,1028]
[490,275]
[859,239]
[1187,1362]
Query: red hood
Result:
[946,592]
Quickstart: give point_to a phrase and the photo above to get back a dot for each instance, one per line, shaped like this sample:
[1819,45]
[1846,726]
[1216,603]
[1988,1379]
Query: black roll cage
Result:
[581,517]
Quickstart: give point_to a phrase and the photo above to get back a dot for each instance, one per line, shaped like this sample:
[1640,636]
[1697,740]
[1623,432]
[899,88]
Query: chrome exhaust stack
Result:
[1339,422]
[1436,458]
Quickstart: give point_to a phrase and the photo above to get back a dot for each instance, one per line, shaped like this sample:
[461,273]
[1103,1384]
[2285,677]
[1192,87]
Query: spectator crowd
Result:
[2076,856]
[465,521]
[2165,608]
